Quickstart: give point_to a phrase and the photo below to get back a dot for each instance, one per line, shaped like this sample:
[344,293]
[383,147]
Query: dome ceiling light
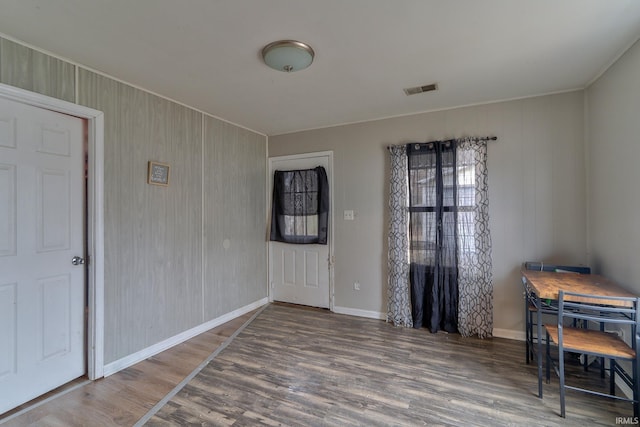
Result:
[288,55]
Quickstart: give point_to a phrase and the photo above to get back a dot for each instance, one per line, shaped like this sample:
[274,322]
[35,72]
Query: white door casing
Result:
[302,274]
[42,326]
[95,213]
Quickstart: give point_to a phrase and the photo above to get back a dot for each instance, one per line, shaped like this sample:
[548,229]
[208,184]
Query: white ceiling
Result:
[206,53]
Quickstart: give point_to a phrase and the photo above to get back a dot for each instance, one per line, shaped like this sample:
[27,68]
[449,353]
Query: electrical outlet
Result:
[356,286]
[349,215]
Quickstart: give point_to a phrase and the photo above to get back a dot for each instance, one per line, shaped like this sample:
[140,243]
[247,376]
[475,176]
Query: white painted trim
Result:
[47,102]
[95,230]
[141,355]
[360,313]
[329,155]
[95,206]
[267,218]
[508,334]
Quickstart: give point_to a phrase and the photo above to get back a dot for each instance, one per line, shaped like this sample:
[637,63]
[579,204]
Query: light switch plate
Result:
[349,216]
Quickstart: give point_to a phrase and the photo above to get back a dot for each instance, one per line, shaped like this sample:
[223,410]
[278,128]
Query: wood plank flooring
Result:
[295,366]
[125,397]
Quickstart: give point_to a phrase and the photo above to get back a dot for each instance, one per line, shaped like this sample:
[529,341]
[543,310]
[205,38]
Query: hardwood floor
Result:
[299,366]
[295,366]
[125,397]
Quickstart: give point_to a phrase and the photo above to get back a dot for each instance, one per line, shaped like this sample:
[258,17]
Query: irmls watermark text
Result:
[627,420]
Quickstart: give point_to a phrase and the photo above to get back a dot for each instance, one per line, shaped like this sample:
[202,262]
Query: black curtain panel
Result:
[300,206]
[433,270]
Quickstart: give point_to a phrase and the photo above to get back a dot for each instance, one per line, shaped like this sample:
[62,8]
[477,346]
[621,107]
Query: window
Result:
[300,206]
[441,203]
[448,245]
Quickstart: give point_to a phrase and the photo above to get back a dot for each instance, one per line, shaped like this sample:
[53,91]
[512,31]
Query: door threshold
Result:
[41,400]
[302,306]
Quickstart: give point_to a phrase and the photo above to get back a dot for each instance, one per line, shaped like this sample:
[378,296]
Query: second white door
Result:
[42,293]
[299,273]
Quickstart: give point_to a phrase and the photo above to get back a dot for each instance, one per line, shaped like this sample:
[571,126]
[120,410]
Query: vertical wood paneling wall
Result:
[28,69]
[154,259]
[234,224]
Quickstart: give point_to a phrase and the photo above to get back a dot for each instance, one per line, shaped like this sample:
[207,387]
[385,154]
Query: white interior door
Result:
[300,274]
[42,295]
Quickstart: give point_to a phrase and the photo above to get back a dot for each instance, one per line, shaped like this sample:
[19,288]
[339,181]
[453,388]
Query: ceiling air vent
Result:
[420,89]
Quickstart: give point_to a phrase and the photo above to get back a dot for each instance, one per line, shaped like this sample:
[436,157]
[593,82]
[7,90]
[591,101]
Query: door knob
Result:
[76,260]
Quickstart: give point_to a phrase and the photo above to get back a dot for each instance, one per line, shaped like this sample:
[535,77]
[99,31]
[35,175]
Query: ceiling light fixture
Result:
[288,55]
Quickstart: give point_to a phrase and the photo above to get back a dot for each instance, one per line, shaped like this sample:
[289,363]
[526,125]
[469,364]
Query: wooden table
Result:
[545,285]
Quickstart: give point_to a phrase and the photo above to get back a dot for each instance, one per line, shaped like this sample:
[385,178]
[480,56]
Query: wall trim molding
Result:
[509,334]
[139,356]
[360,313]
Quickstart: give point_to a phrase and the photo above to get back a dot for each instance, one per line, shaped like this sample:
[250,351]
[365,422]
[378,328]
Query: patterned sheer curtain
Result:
[475,282]
[399,303]
[466,290]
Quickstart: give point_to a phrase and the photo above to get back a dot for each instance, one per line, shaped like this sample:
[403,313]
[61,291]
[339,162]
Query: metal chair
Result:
[548,307]
[601,310]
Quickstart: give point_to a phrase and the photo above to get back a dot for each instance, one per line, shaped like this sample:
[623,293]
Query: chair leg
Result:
[527,327]
[636,388]
[548,360]
[531,336]
[561,375]
[585,363]
[612,377]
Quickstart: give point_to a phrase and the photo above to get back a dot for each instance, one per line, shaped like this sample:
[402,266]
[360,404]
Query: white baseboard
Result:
[360,313]
[509,334]
[141,355]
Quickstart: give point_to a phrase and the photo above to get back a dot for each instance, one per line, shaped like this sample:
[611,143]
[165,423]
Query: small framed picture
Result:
[158,174]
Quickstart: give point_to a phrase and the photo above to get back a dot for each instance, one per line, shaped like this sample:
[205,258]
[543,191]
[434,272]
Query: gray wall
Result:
[31,70]
[234,200]
[613,148]
[166,269]
[536,191]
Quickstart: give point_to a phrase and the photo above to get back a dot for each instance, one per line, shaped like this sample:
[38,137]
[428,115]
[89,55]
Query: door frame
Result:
[329,155]
[95,214]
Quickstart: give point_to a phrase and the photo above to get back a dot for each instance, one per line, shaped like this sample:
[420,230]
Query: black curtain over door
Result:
[433,271]
[300,206]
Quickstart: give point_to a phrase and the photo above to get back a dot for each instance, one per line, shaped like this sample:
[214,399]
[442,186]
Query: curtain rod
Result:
[480,138]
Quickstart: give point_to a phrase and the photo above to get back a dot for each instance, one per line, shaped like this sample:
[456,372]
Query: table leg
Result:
[539,343]
[528,339]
